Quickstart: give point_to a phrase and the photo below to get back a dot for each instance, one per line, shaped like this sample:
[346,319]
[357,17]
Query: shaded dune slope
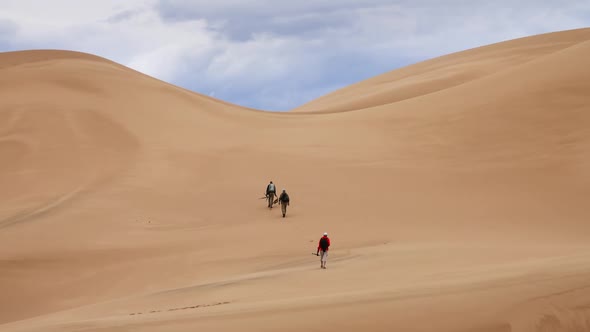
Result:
[455,190]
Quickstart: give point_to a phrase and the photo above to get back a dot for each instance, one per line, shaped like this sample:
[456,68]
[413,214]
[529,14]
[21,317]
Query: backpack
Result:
[271,188]
[284,197]
[324,243]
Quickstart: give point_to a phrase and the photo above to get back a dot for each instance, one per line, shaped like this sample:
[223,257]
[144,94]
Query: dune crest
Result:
[454,190]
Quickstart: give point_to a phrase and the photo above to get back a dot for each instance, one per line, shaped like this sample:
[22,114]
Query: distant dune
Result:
[455,192]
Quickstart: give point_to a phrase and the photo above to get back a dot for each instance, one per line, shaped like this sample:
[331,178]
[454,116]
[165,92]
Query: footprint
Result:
[184,308]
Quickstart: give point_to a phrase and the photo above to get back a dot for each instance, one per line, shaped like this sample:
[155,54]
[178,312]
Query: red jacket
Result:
[320,248]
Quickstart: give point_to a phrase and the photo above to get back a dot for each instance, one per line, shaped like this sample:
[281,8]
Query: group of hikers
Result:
[283,200]
[271,198]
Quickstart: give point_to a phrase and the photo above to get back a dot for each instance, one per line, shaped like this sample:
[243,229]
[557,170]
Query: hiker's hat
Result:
[325,234]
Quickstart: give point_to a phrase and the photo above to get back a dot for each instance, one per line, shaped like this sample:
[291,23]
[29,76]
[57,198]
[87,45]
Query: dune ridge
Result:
[455,191]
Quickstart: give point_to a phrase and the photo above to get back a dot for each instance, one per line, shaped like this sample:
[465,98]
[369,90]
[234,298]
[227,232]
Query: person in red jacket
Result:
[323,247]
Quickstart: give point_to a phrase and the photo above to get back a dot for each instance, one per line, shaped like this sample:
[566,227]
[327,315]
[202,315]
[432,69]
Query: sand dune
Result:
[455,192]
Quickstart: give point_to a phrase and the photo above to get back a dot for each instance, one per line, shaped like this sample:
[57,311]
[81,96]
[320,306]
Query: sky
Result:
[273,54]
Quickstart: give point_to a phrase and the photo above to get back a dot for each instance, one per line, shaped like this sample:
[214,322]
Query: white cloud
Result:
[275,54]
[270,56]
[63,13]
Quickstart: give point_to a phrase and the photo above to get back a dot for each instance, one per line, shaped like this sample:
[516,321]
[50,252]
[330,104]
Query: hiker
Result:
[323,247]
[284,201]
[270,194]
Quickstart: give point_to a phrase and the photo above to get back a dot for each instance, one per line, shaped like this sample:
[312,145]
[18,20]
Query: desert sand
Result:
[455,192]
